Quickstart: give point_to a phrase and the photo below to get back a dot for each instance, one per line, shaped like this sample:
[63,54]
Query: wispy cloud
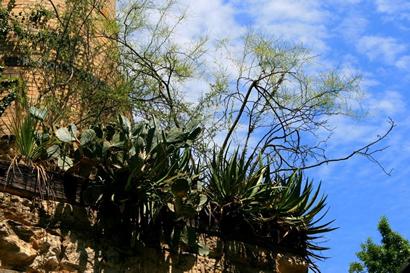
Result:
[298,21]
[380,48]
[212,21]
[389,103]
[403,62]
[283,10]
[213,18]
[304,22]
[400,8]
[352,27]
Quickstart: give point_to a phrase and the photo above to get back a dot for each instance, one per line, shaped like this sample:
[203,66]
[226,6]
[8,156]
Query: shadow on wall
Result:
[46,236]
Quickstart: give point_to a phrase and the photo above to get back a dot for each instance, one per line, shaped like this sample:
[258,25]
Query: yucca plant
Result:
[31,136]
[279,213]
[31,142]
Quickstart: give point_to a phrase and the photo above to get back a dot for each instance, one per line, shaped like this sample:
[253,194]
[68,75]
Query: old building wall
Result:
[37,82]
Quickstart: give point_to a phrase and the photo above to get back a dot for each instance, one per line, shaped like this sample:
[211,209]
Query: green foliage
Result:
[4,18]
[250,205]
[7,85]
[78,70]
[26,138]
[31,136]
[144,181]
[388,257]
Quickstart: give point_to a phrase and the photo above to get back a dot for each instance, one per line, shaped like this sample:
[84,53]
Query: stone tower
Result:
[35,80]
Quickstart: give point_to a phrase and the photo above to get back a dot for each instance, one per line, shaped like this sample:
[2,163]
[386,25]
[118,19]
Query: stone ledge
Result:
[56,237]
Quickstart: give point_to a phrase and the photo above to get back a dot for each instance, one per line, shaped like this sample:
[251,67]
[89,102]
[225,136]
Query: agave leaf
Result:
[150,139]
[256,187]
[314,198]
[194,134]
[203,199]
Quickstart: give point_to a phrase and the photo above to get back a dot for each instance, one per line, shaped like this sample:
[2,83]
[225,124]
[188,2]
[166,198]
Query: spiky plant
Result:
[279,213]
[30,144]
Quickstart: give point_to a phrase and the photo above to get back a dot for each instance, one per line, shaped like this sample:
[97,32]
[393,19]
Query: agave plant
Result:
[280,213]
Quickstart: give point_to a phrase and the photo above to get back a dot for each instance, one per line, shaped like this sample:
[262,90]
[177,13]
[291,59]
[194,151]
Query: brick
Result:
[36,81]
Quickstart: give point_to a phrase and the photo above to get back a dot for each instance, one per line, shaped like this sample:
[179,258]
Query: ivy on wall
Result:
[68,54]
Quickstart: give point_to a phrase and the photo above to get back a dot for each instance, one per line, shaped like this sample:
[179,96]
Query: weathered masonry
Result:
[52,74]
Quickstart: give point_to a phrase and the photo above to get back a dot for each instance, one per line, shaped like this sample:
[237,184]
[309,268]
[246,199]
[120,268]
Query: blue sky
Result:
[366,37]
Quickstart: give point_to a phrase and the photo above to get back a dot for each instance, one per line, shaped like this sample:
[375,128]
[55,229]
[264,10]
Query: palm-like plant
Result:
[280,214]
[30,145]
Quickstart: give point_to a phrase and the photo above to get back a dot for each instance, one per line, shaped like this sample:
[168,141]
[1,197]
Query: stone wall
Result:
[56,237]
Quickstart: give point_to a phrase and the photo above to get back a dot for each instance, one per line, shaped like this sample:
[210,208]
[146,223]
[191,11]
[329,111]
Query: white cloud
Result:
[297,21]
[345,2]
[390,103]
[394,7]
[357,132]
[353,27]
[386,49]
[404,62]
[310,36]
[211,18]
[301,11]
[350,132]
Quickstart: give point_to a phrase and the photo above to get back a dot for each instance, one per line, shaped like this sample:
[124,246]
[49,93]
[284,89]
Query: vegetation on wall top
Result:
[230,166]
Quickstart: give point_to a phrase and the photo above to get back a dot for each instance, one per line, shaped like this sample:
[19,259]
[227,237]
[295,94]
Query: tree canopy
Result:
[388,257]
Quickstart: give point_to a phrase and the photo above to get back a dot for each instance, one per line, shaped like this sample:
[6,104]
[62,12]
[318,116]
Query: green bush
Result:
[147,183]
